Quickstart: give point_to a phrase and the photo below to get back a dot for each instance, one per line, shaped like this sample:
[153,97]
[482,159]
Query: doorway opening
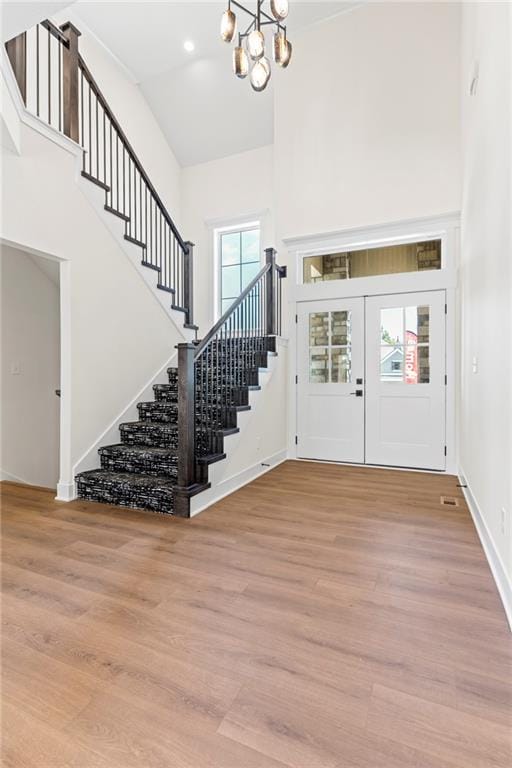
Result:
[30,367]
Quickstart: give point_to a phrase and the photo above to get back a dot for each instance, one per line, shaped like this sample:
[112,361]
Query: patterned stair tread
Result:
[140,451]
[140,459]
[127,489]
[152,433]
[160,411]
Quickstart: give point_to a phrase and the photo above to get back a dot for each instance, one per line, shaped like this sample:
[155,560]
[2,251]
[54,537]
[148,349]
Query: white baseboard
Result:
[498,570]
[66,491]
[9,477]
[232,484]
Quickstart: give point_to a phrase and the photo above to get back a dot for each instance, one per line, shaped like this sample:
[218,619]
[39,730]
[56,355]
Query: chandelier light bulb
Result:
[260,74]
[287,55]
[279,9]
[280,49]
[256,44]
[228,25]
[240,62]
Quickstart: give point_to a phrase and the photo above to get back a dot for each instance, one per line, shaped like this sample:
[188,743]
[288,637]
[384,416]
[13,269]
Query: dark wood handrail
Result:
[92,82]
[56,32]
[230,310]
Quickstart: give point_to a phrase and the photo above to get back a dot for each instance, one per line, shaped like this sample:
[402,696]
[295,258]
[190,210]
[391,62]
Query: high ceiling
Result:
[203,109]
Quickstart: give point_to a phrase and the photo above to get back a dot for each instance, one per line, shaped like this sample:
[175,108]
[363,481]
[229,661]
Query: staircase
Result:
[142,470]
[162,459]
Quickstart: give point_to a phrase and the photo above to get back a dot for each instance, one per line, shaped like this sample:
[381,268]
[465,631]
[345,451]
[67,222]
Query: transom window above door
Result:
[330,347]
[239,261]
[367,262]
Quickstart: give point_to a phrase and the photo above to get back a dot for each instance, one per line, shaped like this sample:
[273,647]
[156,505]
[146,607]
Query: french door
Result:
[331,363]
[371,380]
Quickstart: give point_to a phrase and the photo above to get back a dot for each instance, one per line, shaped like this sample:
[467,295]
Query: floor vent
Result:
[449,501]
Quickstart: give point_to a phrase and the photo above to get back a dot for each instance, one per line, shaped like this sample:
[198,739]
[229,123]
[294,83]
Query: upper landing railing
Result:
[57,86]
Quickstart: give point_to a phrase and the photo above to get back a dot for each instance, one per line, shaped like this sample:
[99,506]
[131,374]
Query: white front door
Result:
[374,396]
[330,364]
[405,380]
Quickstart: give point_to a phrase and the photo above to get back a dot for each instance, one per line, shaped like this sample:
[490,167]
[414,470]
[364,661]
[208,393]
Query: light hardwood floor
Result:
[321,617]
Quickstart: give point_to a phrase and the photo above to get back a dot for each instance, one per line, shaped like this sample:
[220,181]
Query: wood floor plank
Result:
[438,730]
[327,616]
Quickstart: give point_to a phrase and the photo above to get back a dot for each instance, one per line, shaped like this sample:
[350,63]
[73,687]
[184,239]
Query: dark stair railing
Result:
[215,375]
[56,84]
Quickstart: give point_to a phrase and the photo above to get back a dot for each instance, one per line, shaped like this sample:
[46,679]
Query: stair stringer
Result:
[261,442]
[134,253]
[90,458]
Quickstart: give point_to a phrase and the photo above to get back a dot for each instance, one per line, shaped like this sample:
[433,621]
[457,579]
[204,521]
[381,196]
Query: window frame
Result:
[238,227]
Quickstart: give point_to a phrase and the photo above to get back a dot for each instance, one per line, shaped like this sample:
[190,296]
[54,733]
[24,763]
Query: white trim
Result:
[28,118]
[233,221]
[233,227]
[66,491]
[89,459]
[498,570]
[417,227]
[10,478]
[234,483]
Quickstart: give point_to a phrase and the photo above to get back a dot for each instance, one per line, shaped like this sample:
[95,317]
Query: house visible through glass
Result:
[390,259]
[239,263]
[405,344]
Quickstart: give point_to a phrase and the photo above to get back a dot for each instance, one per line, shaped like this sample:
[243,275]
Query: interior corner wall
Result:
[30,373]
[485,271]
[220,192]
[367,124]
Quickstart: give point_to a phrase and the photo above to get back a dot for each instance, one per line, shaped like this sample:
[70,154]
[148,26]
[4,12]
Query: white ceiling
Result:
[203,109]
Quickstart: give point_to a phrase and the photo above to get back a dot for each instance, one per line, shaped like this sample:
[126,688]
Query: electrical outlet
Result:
[503,521]
[15,369]
[474,365]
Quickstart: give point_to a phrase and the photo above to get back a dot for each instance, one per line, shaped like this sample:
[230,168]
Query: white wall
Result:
[235,188]
[485,273]
[31,343]
[367,119]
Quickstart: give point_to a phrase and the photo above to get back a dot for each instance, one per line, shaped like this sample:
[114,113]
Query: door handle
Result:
[357,393]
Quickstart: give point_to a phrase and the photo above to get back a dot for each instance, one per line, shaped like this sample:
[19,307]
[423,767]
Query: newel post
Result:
[270,292]
[188,281]
[70,81]
[17,53]
[186,430]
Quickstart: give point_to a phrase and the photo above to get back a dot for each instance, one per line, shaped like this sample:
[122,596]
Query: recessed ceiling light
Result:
[188,46]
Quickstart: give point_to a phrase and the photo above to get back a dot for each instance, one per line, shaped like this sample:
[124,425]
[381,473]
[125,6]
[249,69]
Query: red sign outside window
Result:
[411,358]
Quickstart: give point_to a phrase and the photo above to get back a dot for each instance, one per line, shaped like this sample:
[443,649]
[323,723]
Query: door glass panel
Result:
[340,365]
[340,328]
[332,332]
[423,364]
[423,325]
[392,325]
[404,352]
[318,329]
[318,366]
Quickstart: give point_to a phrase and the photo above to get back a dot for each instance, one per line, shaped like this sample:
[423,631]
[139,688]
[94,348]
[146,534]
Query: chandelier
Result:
[252,55]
